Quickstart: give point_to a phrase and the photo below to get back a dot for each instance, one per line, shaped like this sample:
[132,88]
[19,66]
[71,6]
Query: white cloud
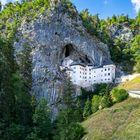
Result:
[136,4]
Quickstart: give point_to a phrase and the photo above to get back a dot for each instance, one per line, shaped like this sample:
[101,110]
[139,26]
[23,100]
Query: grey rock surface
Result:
[121,31]
[56,34]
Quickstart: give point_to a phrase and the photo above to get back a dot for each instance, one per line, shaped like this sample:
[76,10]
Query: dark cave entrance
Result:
[68,50]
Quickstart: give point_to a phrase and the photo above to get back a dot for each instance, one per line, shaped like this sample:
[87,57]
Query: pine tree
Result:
[136,52]
[6,90]
[106,100]
[67,126]
[87,109]
[42,122]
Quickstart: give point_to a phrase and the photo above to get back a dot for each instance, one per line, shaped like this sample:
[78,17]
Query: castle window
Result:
[105,74]
[108,68]
[105,69]
[108,73]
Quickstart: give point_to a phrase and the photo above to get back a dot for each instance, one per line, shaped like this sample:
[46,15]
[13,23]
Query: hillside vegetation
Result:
[22,117]
[120,122]
[132,85]
[123,53]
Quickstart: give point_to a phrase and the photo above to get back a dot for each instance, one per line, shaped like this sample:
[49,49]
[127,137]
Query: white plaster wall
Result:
[86,76]
[66,62]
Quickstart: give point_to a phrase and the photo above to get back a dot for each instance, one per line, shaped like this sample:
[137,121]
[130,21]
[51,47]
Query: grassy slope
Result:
[120,122]
[132,85]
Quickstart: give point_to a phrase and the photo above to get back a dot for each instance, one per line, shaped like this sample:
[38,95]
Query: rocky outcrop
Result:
[121,31]
[56,34]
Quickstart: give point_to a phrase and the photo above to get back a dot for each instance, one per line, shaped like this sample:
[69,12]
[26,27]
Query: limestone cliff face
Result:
[56,34]
[122,31]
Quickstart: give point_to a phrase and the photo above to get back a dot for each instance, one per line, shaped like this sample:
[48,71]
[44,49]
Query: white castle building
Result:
[87,75]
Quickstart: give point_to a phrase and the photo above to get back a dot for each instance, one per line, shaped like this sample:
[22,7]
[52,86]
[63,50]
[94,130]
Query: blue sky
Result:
[106,8]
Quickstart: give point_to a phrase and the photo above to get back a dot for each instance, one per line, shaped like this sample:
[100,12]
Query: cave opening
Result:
[68,50]
[70,54]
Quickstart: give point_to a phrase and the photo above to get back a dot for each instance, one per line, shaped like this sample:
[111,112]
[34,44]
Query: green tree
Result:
[42,122]
[18,124]
[114,19]
[96,103]
[87,109]
[100,89]
[67,126]
[16,131]
[90,22]
[106,100]
[6,91]
[79,109]
[138,19]
[136,52]
[23,108]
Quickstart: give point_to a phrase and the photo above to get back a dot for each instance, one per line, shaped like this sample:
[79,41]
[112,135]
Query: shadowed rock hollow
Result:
[54,35]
